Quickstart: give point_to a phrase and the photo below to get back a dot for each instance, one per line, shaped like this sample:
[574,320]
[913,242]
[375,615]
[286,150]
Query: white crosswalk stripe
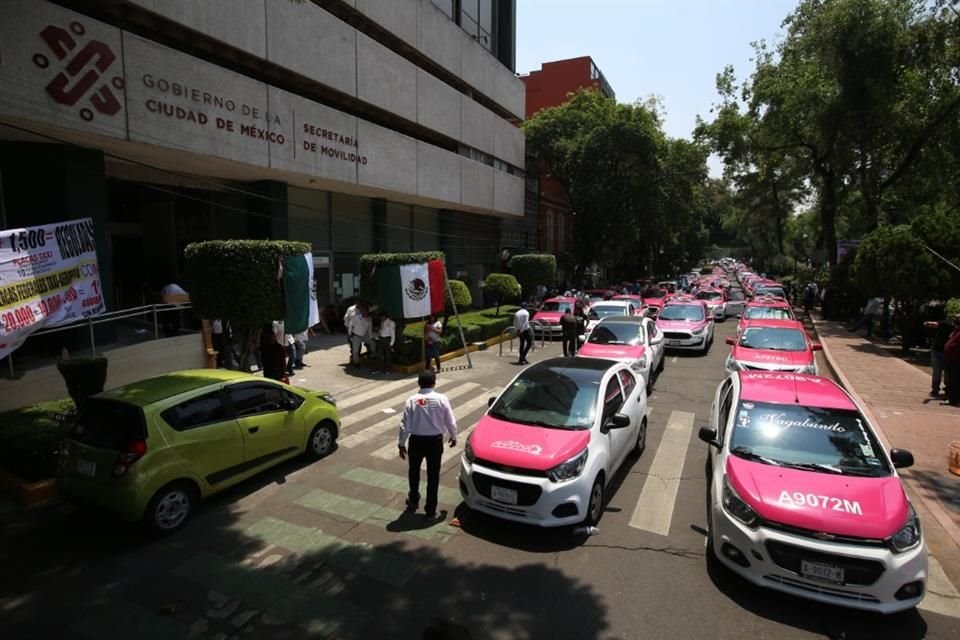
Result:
[375,392]
[942,597]
[654,510]
[389,450]
[391,422]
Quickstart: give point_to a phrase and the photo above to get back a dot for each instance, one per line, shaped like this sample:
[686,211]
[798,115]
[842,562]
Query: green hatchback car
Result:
[149,451]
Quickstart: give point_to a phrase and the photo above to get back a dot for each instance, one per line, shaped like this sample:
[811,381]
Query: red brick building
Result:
[550,86]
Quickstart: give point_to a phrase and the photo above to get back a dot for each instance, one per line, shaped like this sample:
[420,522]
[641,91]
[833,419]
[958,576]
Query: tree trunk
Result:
[828,214]
[777,212]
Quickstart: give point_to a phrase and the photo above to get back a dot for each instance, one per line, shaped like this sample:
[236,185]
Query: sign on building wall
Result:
[48,277]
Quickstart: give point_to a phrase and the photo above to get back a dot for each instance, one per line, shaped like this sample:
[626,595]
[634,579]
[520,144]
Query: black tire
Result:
[641,443]
[170,508]
[663,362]
[322,440]
[709,550]
[595,504]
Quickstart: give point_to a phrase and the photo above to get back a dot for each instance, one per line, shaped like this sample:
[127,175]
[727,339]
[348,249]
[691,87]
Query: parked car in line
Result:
[802,498]
[601,310]
[736,302]
[549,313]
[552,441]
[151,450]
[765,308]
[772,345]
[686,323]
[633,340]
[716,302]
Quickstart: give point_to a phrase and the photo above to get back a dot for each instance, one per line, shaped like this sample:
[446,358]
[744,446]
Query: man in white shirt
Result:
[359,331]
[300,349]
[521,322]
[870,312]
[427,417]
[386,336]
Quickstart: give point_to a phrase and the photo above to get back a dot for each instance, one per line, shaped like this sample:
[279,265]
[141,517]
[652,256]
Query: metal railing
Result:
[512,333]
[150,311]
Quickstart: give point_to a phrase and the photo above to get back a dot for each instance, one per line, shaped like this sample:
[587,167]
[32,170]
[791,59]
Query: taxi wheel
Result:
[595,505]
[641,438]
[663,361]
[170,508]
[322,440]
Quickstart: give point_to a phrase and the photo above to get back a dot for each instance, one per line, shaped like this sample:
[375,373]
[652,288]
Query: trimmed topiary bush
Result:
[461,295]
[84,377]
[533,269]
[503,288]
[951,307]
[477,326]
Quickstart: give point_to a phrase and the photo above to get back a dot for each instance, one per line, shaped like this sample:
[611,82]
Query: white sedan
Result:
[634,340]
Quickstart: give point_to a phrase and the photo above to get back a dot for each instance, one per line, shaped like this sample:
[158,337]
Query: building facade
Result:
[550,86]
[359,126]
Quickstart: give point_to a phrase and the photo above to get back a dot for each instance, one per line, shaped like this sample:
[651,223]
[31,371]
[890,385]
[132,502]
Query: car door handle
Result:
[253,429]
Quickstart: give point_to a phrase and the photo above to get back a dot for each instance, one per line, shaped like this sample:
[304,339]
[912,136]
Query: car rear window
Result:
[772,313]
[556,306]
[109,424]
[831,440]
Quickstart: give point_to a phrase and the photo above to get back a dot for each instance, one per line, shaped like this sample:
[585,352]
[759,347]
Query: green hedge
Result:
[951,307]
[30,439]
[369,261]
[461,295]
[533,269]
[477,326]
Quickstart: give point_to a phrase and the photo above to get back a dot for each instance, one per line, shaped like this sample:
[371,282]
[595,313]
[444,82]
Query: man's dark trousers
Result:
[569,345]
[526,341]
[418,448]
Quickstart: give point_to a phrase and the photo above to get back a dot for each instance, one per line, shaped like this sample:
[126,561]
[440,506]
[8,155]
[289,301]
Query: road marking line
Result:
[391,568]
[942,597]
[377,390]
[387,423]
[389,451]
[654,510]
[673,359]
[398,484]
[369,513]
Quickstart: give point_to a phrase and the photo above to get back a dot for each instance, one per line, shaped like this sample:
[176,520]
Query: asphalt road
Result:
[323,550]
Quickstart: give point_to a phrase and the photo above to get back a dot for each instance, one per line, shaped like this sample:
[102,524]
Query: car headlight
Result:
[731,365]
[569,469]
[908,536]
[328,398]
[639,365]
[468,451]
[735,506]
[810,369]
[699,332]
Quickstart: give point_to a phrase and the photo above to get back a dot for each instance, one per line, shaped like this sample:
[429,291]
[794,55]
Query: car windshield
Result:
[771,313]
[735,295]
[626,333]
[771,291]
[773,338]
[826,440]
[554,398]
[709,295]
[603,310]
[691,312]
[554,305]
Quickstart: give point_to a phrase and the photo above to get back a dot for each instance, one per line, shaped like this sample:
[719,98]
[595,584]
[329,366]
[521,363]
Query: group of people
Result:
[281,352]
[945,359]
[376,334]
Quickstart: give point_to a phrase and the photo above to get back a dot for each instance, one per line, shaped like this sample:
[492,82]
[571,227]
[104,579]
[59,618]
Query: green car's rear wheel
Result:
[170,508]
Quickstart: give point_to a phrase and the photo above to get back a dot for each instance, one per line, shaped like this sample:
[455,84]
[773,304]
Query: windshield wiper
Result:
[748,454]
[814,466]
[538,423]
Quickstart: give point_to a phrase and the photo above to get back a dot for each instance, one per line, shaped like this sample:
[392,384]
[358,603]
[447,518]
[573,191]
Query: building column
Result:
[378,221]
[270,219]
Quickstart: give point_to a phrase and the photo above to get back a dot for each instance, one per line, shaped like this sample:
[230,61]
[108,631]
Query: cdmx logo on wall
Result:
[77,78]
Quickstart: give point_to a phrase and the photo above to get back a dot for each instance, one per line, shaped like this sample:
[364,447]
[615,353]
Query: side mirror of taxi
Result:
[816,346]
[491,400]
[709,436]
[618,421]
[730,340]
[656,339]
[901,458]
[739,315]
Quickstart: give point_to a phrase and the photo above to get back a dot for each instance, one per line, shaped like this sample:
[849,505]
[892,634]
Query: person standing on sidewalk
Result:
[951,360]
[386,336]
[359,331]
[570,326]
[937,345]
[427,417]
[521,322]
[432,333]
[870,313]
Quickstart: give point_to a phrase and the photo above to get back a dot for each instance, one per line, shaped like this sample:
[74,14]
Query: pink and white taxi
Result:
[772,345]
[686,324]
[633,340]
[802,498]
[548,314]
[549,445]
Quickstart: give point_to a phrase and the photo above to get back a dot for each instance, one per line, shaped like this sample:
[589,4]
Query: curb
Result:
[451,355]
[932,505]
[28,493]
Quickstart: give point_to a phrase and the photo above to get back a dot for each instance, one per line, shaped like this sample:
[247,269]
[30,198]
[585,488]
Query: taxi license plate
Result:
[821,572]
[673,343]
[87,468]
[508,496]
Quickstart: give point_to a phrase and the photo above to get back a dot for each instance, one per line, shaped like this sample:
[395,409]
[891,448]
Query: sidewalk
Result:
[895,396]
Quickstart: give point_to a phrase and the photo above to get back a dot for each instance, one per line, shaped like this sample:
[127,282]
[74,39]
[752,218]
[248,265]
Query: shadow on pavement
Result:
[945,486]
[814,617]
[233,572]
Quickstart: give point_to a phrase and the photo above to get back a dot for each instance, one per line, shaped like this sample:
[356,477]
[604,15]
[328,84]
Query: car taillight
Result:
[135,451]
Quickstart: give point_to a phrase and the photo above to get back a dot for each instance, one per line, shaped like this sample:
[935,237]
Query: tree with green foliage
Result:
[532,270]
[238,281]
[503,288]
[461,295]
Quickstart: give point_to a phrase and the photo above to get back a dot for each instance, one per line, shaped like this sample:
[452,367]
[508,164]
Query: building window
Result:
[594,72]
[446,6]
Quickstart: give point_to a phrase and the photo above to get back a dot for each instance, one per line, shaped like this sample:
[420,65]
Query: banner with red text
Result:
[48,277]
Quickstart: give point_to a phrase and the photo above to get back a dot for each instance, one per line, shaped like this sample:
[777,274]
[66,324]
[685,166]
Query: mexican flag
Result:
[411,290]
[300,291]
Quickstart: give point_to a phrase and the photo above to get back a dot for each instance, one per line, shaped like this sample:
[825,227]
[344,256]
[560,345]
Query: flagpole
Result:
[456,313]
